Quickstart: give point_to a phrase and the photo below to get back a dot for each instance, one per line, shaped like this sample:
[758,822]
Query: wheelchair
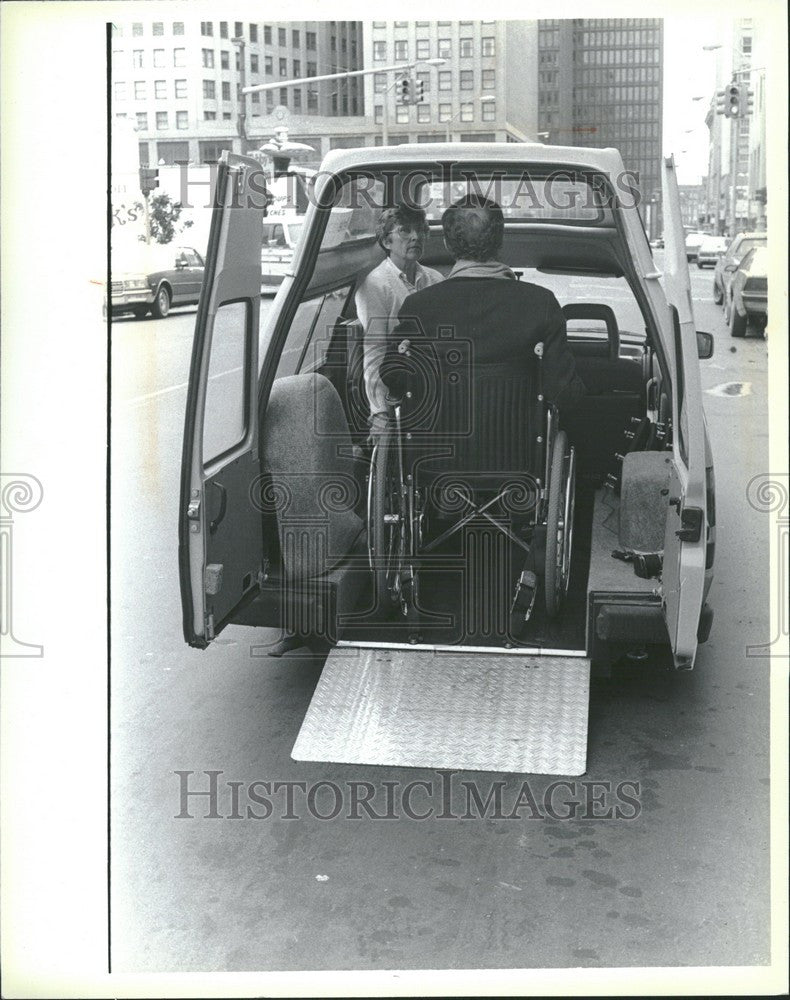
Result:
[463,447]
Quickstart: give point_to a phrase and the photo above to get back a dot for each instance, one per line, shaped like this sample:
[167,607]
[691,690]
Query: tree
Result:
[163,215]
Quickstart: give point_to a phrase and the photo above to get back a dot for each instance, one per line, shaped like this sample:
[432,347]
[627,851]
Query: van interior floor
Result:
[466,590]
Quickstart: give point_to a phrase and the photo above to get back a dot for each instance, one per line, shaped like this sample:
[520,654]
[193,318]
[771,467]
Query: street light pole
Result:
[241,118]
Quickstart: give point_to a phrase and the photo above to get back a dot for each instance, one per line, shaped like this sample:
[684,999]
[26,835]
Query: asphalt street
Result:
[682,880]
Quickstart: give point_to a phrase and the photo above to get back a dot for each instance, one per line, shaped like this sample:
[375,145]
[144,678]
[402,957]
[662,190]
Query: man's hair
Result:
[400,215]
[473,228]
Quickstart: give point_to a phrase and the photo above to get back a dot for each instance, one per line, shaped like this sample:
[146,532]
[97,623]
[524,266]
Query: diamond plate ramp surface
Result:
[467,710]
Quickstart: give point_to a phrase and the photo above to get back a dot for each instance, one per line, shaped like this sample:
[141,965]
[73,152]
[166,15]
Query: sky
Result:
[689,71]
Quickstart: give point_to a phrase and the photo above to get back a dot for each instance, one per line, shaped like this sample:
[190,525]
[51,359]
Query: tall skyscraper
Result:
[600,84]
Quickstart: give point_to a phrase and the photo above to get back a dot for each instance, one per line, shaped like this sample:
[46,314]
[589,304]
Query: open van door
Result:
[220,529]
[683,577]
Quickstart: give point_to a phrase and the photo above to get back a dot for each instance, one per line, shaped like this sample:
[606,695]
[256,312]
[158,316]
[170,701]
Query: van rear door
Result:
[220,528]
[683,577]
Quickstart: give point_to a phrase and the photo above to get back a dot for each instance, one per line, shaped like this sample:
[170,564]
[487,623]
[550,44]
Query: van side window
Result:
[311,330]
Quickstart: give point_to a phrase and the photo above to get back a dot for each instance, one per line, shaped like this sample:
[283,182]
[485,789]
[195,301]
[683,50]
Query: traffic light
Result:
[404,90]
[732,99]
[749,102]
[721,104]
[419,91]
[149,179]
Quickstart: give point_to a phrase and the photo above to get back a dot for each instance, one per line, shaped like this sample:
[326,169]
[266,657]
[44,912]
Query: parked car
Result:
[285,519]
[154,278]
[711,248]
[280,236]
[737,249]
[747,301]
[693,243]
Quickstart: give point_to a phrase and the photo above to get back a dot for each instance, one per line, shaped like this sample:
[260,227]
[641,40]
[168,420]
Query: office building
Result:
[736,183]
[600,84]
[482,91]
[181,82]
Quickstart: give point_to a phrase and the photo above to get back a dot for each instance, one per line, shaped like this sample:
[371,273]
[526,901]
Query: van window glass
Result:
[331,309]
[224,423]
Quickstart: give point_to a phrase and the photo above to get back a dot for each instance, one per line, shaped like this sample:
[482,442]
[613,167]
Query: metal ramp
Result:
[474,710]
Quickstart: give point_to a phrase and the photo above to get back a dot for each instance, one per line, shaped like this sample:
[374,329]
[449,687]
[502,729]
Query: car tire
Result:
[140,312]
[161,306]
[718,295]
[738,323]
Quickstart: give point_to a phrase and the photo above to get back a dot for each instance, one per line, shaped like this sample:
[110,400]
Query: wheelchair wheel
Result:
[387,520]
[559,523]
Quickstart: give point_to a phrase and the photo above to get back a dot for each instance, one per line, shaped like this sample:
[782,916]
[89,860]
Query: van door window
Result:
[224,423]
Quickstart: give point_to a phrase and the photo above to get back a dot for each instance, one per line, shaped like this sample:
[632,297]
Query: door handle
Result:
[223,505]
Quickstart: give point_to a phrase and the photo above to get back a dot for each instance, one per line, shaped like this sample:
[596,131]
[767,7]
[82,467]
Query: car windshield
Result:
[758,260]
[746,245]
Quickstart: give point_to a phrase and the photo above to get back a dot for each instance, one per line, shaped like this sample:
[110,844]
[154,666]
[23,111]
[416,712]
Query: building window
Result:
[284,95]
[423,113]
[160,90]
[161,120]
[489,111]
[267,34]
[207,28]
[401,114]
[379,51]
[137,29]
[467,112]
[488,46]
[209,90]
[210,116]
[297,100]
[297,69]
[255,97]
[378,116]
[281,37]
[379,24]
[226,116]
[182,119]
[444,48]
[137,58]
[253,63]
[139,90]
[224,60]
[445,80]
[142,121]
[466,79]
[179,57]
[379,83]
[310,39]
[423,50]
[311,69]
[253,32]
[268,65]
[208,58]
[225,90]
[178,27]
[425,80]
[445,112]
[312,100]
[181,89]
[223,29]
[119,91]
[158,28]
[466,48]
[401,49]
[488,77]
[238,29]
[296,39]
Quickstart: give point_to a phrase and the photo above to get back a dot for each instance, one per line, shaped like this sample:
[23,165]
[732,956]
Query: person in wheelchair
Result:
[479,363]
[401,233]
